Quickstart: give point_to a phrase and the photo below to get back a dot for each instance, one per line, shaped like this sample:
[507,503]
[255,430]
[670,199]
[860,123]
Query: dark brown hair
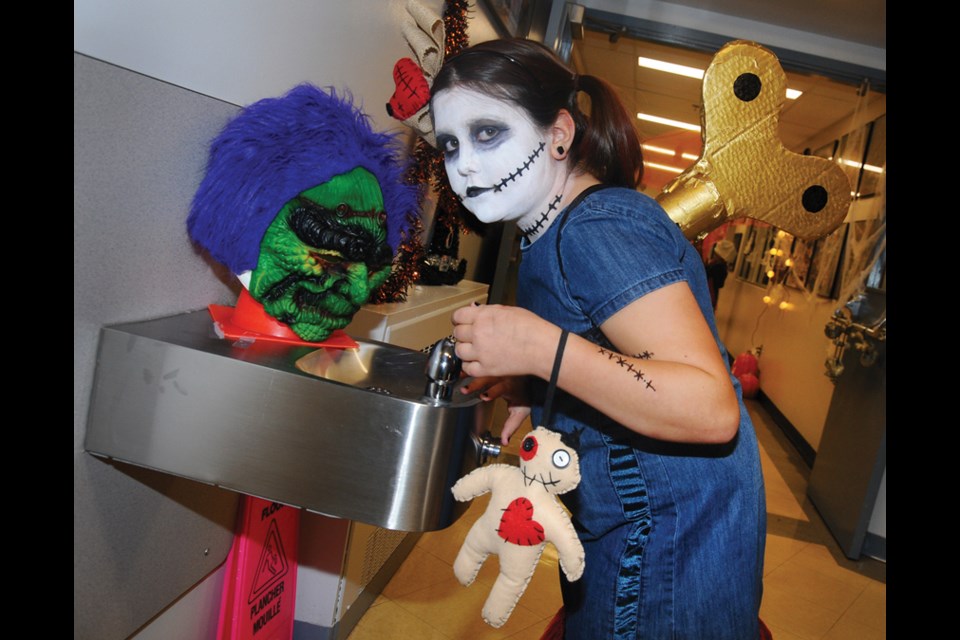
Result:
[530,76]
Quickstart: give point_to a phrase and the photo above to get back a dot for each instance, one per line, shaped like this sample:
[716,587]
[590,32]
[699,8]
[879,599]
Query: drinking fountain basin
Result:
[341,432]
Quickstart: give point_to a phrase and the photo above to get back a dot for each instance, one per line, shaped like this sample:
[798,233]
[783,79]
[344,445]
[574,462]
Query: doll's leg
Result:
[517,564]
[471,555]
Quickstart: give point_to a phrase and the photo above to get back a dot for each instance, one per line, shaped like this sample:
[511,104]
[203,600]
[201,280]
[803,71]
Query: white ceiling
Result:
[825,105]
[862,21]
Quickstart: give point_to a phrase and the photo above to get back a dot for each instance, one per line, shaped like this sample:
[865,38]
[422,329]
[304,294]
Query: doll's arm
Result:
[478,482]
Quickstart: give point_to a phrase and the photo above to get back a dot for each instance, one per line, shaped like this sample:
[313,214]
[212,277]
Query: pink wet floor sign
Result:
[259,591]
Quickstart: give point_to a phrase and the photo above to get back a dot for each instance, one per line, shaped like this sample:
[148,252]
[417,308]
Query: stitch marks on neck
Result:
[538,226]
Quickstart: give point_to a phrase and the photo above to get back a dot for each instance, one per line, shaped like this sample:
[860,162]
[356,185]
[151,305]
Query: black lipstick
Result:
[475,191]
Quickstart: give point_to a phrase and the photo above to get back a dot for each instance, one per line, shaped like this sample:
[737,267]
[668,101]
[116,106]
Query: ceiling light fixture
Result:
[668,122]
[691,72]
[865,167]
[662,167]
[664,151]
[669,67]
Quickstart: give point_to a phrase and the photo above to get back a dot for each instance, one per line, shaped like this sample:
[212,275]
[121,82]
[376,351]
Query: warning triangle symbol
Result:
[272,565]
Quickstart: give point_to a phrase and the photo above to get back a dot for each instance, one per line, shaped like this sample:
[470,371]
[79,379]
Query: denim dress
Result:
[673,533]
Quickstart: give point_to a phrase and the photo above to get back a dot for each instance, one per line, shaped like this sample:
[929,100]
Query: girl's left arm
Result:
[666,379]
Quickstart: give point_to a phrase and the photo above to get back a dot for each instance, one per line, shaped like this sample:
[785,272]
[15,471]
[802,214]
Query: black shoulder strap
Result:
[547,416]
[563,220]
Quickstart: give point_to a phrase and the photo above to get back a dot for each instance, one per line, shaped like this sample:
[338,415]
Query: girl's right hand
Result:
[513,389]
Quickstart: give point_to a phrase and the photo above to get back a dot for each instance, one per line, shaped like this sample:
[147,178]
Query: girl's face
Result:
[498,161]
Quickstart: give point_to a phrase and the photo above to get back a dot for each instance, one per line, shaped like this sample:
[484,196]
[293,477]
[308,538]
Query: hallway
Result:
[811,591]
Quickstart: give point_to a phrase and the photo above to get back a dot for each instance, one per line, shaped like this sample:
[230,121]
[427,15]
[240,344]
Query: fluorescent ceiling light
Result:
[866,167]
[662,167]
[666,152]
[669,67]
[691,72]
[668,122]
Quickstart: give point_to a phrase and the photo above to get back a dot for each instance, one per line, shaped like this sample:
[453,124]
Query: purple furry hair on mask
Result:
[275,149]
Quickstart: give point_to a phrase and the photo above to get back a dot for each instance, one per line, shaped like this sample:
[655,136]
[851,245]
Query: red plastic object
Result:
[555,630]
[746,362]
[249,321]
[765,633]
[260,589]
[750,384]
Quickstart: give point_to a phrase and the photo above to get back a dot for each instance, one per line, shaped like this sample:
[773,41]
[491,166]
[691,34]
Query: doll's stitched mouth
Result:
[529,480]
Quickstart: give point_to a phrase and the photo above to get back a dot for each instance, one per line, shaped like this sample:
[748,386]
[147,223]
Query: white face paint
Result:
[498,161]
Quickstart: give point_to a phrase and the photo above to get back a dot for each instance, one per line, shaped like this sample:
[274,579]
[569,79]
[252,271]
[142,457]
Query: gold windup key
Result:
[744,170]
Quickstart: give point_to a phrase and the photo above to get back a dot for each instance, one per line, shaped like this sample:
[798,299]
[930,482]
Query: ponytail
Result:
[606,145]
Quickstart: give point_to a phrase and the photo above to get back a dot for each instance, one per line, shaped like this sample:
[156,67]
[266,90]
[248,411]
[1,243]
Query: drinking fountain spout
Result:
[443,370]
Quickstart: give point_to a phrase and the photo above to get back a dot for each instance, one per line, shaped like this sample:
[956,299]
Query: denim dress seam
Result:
[625,473]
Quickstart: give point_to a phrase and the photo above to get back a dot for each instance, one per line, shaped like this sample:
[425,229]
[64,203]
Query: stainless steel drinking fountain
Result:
[358,434]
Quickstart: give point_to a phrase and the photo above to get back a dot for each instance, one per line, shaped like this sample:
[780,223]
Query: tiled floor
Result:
[811,590]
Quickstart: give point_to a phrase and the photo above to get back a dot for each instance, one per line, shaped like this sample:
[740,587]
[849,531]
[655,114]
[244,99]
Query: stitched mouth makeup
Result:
[520,170]
[473,192]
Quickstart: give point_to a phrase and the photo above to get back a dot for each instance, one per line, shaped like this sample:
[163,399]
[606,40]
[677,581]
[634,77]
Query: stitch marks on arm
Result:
[634,370]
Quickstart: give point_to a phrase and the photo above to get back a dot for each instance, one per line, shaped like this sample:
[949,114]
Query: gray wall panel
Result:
[141,538]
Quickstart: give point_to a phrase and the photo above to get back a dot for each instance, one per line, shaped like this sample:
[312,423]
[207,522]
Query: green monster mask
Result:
[323,255]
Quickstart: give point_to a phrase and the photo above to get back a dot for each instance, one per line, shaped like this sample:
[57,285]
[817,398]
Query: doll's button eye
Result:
[528,448]
[342,210]
[561,458]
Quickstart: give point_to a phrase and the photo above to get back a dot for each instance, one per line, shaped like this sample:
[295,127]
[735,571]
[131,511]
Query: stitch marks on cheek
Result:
[634,370]
[500,186]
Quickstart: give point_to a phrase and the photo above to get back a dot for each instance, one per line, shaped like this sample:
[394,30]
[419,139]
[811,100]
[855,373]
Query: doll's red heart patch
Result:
[517,525]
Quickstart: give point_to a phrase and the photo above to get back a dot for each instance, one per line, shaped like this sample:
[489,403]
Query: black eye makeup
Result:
[489,134]
[485,133]
[448,144]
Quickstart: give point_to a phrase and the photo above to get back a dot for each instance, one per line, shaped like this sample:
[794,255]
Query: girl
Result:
[670,508]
